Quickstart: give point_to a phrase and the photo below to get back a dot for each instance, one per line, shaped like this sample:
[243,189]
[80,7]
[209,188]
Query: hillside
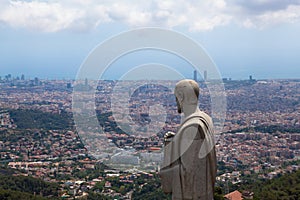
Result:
[285,187]
[15,186]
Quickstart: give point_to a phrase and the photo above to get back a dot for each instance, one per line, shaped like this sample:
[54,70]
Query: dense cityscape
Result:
[38,137]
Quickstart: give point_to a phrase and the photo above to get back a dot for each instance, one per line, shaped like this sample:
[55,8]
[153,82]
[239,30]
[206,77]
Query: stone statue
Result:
[189,166]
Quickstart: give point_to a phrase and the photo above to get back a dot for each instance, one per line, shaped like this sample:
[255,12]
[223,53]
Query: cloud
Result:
[264,13]
[50,16]
[260,6]
[195,15]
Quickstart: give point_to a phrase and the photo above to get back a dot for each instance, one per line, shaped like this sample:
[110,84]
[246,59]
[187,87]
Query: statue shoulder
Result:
[200,122]
[198,118]
[192,122]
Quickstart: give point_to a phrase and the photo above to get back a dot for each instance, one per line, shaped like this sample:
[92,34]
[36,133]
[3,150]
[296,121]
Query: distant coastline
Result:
[4,77]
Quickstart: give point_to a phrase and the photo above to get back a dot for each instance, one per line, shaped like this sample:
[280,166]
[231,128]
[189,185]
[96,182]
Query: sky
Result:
[51,39]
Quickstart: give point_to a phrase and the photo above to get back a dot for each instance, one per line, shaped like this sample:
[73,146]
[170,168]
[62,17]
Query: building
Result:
[205,75]
[235,195]
[195,75]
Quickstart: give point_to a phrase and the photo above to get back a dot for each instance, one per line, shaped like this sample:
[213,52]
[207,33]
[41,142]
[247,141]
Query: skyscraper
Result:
[195,75]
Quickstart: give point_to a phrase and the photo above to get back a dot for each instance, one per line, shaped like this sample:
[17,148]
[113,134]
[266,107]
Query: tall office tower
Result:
[205,75]
[36,81]
[195,75]
[69,85]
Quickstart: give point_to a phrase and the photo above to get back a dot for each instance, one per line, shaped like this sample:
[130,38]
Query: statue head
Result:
[187,94]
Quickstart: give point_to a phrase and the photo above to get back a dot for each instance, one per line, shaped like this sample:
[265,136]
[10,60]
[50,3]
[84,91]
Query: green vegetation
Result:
[218,194]
[12,194]
[222,168]
[285,187]
[282,187]
[13,186]
[111,126]
[149,190]
[269,129]
[97,196]
[89,174]
[35,119]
